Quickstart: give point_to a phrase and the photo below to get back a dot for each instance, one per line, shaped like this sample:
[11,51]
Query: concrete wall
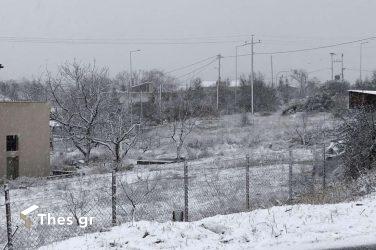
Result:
[30,121]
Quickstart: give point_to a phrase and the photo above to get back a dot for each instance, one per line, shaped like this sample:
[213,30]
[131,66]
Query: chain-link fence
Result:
[181,191]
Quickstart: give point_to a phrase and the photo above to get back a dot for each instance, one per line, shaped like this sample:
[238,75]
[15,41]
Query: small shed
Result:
[365,99]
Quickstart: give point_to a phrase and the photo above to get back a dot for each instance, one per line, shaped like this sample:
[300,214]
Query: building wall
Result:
[30,121]
[362,100]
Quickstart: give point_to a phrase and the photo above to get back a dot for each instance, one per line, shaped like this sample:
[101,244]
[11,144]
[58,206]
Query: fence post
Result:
[324,168]
[247,205]
[290,175]
[8,217]
[113,197]
[185,191]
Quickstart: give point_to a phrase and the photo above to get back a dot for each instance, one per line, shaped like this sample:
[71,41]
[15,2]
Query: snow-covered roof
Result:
[369,92]
[208,83]
[213,83]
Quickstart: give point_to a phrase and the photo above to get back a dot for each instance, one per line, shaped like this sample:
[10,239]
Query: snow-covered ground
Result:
[283,227]
[216,178]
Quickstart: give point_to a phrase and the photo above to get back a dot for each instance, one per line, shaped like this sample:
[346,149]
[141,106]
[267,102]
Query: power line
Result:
[318,70]
[74,41]
[190,65]
[316,48]
[128,38]
[193,71]
[138,39]
[159,41]
[194,74]
[353,69]
[308,49]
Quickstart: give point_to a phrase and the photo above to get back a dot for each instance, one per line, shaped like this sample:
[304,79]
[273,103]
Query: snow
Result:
[210,83]
[206,84]
[283,227]
[54,124]
[370,92]
[216,179]
[3,98]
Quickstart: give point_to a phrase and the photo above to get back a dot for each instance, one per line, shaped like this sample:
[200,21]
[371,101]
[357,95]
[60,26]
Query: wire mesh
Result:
[154,193]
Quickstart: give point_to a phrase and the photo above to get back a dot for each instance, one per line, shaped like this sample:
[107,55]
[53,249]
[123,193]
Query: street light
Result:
[361,58]
[131,80]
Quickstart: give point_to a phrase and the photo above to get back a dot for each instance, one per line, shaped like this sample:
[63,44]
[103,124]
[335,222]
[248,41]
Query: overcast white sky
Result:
[280,24]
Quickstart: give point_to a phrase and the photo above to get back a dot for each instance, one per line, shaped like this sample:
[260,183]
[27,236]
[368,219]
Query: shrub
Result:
[294,107]
[358,132]
[331,96]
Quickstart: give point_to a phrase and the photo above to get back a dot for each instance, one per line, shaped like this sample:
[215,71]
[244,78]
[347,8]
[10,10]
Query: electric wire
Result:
[204,66]
[307,49]
[91,41]
[190,65]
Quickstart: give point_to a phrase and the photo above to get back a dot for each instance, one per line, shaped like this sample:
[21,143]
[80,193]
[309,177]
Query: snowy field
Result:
[284,227]
[216,179]
[213,189]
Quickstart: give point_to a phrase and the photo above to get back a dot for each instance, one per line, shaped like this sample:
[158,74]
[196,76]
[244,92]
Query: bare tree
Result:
[298,130]
[301,128]
[137,192]
[78,202]
[301,76]
[10,90]
[33,90]
[161,85]
[78,94]
[182,117]
[117,133]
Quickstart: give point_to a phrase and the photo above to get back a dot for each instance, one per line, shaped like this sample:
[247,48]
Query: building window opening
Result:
[12,143]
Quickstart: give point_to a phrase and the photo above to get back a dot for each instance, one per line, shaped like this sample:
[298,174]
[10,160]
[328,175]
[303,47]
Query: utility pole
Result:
[342,68]
[332,64]
[361,59]
[236,72]
[271,68]
[219,57]
[141,106]
[252,71]
[236,67]
[160,97]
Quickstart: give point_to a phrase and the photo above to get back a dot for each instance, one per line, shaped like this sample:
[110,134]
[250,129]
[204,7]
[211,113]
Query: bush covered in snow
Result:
[331,96]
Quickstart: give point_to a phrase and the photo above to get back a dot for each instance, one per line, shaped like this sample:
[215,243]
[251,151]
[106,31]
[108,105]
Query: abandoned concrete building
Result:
[25,139]
[362,99]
